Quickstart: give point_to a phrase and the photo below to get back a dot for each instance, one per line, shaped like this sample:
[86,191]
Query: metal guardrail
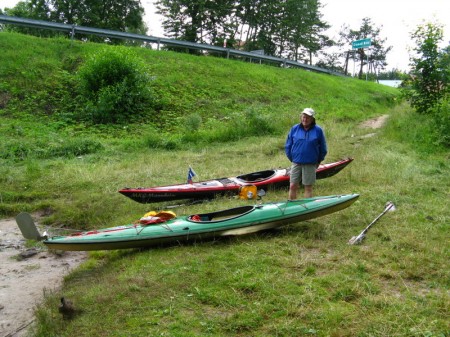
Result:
[74,29]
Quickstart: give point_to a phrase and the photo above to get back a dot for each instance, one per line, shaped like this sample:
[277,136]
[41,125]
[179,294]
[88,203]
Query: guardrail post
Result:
[72,33]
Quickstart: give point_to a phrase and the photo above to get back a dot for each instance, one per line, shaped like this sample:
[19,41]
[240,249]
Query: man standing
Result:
[305,147]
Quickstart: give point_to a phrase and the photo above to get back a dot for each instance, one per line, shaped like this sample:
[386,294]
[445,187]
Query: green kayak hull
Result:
[235,221]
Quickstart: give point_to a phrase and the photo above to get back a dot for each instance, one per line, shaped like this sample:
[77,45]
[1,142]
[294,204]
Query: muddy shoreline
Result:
[25,275]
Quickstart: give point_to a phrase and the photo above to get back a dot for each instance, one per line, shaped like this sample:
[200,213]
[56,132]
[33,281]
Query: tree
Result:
[376,58]
[219,23]
[123,15]
[305,26]
[428,87]
[330,61]
[263,26]
[430,71]
[393,74]
[25,9]
[284,27]
[197,21]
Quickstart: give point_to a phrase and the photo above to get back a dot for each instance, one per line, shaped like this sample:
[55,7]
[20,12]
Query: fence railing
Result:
[72,30]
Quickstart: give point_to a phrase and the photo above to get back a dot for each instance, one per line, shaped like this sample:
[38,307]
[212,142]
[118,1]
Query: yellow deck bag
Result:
[156,217]
[248,192]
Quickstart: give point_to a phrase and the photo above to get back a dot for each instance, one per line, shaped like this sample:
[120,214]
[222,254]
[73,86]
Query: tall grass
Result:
[302,279]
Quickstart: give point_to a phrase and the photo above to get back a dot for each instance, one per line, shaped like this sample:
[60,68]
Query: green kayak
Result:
[234,221]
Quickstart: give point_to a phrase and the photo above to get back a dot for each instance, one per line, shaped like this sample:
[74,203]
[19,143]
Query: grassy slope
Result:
[300,280]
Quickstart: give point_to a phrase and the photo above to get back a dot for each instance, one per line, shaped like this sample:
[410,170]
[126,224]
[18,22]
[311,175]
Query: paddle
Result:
[358,239]
[28,228]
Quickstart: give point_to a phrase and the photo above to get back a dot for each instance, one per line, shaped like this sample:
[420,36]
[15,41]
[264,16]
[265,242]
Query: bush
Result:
[193,122]
[114,86]
[441,117]
[428,83]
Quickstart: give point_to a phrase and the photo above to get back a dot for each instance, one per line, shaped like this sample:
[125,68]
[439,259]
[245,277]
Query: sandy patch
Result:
[23,280]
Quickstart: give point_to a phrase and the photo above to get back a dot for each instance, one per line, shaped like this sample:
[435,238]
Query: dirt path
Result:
[375,123]
[23,280]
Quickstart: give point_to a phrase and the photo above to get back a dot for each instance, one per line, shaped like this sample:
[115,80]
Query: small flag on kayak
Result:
[191,174]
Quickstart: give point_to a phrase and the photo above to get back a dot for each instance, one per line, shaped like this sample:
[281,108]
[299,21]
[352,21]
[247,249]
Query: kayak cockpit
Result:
[256,176]
[221,215]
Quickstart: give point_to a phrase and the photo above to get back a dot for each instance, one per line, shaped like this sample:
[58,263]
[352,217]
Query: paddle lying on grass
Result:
[358,239]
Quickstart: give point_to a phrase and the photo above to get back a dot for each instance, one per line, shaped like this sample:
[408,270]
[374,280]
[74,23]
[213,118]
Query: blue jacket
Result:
[306,147]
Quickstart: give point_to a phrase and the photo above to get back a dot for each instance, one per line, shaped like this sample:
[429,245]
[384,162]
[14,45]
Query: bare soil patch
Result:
[24,276]
[375,123]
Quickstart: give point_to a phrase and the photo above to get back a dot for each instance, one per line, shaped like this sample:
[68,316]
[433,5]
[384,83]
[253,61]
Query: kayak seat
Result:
[256,176]
[221,215]
[199,218]
[195,218]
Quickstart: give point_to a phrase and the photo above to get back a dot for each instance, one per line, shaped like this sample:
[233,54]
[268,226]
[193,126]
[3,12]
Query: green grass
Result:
[300,280]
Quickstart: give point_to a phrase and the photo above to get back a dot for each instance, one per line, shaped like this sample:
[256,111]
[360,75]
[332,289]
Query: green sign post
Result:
[364,43]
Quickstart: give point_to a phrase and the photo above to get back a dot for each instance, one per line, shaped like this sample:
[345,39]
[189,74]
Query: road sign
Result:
[364,43]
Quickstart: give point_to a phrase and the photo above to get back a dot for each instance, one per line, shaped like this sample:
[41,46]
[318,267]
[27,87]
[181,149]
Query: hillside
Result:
[226,117]
[185,84]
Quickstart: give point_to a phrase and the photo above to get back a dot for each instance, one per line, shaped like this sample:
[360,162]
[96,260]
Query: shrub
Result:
[441,118]
[258,122]
[251,122]
[157,140]
[114,86]
[193,122]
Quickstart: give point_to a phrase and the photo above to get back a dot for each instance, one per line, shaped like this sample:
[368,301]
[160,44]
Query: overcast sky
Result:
[396,18]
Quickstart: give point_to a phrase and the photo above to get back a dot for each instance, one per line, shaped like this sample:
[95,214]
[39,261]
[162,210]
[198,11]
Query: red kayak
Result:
[276,178]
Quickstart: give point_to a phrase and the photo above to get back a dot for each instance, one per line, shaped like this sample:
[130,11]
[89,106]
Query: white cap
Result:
[309,112]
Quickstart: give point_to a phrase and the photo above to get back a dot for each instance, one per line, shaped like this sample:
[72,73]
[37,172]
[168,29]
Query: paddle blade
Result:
[27,227]
[390,206]
[356,240]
